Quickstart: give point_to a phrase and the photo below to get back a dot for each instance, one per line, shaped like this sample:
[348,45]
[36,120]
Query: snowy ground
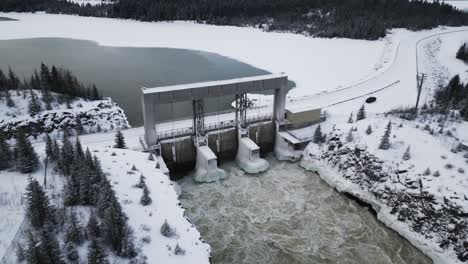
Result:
[11,205]
[147,220]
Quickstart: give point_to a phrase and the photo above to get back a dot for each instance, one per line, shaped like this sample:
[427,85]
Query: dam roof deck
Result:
[194,91]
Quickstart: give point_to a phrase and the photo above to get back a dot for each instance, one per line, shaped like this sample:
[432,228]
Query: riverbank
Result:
[422,198]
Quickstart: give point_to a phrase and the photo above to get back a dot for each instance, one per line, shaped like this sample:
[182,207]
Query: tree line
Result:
[86,185]
[47,80]
[358,19]
[462,53]
[454,96]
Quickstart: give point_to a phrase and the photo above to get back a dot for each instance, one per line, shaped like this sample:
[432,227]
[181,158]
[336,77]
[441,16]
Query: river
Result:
[289,215]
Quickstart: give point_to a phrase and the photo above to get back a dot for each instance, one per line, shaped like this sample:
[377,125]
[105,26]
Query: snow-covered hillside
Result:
[98,115]
[435,168]
[146,221]
[123,168]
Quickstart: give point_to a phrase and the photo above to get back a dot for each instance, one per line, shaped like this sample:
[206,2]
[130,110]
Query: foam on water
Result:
[288,215]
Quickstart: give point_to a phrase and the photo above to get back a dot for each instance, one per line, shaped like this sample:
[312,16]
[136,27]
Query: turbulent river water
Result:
[288,215]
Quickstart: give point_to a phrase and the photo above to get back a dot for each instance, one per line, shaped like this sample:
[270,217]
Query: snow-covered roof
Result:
[290,138]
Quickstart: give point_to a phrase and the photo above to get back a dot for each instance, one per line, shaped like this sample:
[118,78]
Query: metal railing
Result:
[186,131]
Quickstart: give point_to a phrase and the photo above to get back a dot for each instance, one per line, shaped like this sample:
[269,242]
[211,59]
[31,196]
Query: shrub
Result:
[167,230]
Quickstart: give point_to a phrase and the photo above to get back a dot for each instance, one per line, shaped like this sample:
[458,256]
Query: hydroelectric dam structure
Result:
[201,146]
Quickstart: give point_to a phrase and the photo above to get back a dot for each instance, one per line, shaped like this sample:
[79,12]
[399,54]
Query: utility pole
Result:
[419,81]
[45,171]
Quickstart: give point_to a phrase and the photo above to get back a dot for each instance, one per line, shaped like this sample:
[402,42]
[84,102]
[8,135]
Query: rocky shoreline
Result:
[437,229]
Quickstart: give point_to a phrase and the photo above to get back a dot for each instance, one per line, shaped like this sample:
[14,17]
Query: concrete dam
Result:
[242,135]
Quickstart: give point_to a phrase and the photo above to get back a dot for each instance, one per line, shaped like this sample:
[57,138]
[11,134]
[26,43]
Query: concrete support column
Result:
[279,103]
[149,117]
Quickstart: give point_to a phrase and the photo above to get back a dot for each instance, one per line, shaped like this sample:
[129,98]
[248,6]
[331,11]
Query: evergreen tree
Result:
[55,150]
[3,82]
[38,206]
[141,182]
[34,105]
[127,248]
[350,119]
[98,173]
[120,140]
[178,250]
[113,223]
[361,113]
[462,53]
[5,154]
[146,199]
[318,137]
[407,154]
[385,141]
[47,99]
[92,228]
[72,191]
[50,246]
[74,232]
[79,126]
[71,254]
[79,153]
[50,148]
[10,102]
[95,93]
[96,254]
[66,155]
[167,230]
[20,253]
[14,81]
[35,81]
[369,130]
[349,136]
[26,158]
[87,190]
[34,252]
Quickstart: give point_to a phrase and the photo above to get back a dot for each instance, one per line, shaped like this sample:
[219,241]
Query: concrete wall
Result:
[304,118]
[186,153]
[265,138]
[227,144]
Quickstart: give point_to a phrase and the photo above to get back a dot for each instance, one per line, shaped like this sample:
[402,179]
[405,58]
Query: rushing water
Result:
[289,216]
[119,72]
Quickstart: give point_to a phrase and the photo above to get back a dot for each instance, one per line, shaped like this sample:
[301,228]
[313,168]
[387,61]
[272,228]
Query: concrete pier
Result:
[206,169]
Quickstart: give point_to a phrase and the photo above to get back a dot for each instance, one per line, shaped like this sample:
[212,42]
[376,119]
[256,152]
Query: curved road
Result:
[397,81]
